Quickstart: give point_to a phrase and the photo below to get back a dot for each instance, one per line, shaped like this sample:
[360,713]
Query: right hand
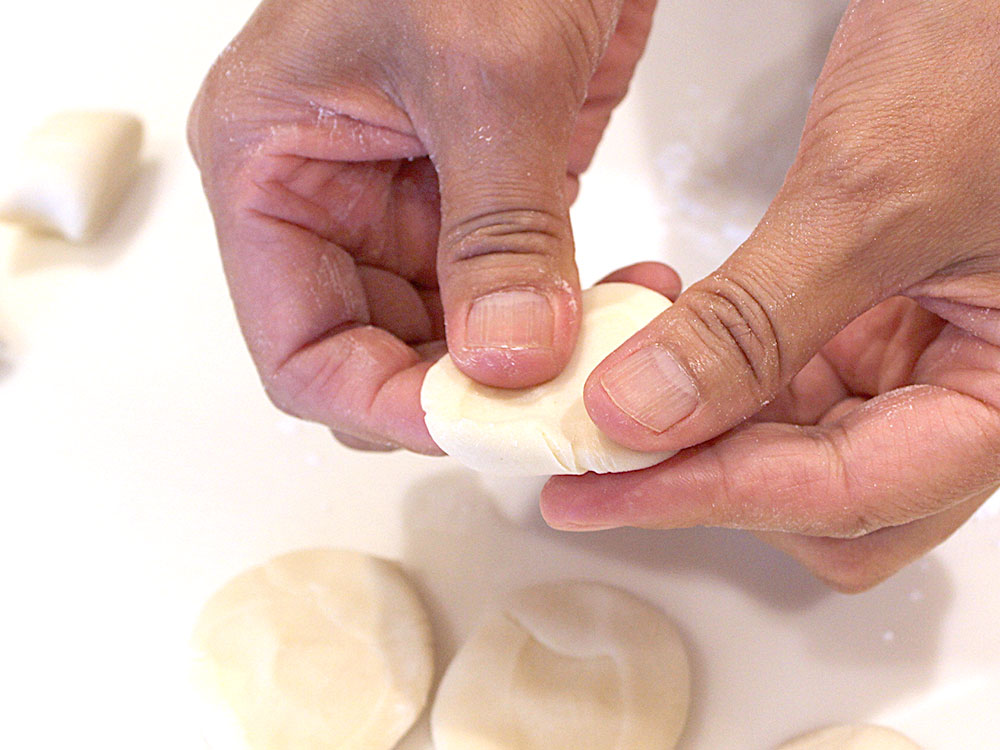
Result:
[835,385]
[382,172]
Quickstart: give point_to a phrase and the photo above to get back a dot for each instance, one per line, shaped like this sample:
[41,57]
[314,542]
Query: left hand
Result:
[377,169]
[841,371]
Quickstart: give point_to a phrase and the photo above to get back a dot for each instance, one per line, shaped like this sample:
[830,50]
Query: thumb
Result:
[497,124]
[508,279]
[735,339]
[504,87]
[858,219]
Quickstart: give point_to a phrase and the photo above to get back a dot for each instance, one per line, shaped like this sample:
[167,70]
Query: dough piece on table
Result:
[567,665]
[544,429]
[71,173]
[314,650]
[852,737]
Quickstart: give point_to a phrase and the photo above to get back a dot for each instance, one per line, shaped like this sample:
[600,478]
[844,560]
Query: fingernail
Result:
[515,319]
[652,388]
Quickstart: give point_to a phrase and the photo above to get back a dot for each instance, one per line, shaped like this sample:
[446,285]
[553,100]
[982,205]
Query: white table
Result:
[142,465]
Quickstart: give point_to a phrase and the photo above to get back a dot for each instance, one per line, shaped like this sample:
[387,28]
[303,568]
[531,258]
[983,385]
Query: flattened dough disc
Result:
[566,665]
[545,429]
[852,737]
[314,650]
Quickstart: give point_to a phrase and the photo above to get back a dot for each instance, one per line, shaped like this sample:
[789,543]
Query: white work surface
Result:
[141,465]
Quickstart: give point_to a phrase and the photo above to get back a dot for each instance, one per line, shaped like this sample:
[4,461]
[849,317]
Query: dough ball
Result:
[314,650]
[566,665]
[860,737]
[545,429]
[71,173]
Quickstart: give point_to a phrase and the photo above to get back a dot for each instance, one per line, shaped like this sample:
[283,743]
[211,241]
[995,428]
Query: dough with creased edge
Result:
[71,172]
[318,649]
[570,664]
[544,429]
[852,737]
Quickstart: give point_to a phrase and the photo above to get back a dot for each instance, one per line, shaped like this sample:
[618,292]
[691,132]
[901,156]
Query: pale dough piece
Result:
[314,650]
[71,173]
[852,737]
[566,665]
[545,429]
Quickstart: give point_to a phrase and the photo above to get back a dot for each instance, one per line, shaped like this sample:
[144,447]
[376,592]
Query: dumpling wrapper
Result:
[545,429]
[317,649]
[852,737]
[566,665]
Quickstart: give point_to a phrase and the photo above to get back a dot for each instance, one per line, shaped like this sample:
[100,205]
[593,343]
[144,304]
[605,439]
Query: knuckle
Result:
[851,512]
[736,320]
[304,385]
[285,392]
[231,113]
[517,231]
[212,127]
[203,121]
[507,247]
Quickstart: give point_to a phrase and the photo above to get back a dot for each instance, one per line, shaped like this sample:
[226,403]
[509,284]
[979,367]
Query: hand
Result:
[378,169]
[844,364]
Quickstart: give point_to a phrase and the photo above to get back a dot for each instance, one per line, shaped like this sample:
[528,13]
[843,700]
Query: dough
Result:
[567,665]
[314,650]
[72,172]
[861,737]
[545,429]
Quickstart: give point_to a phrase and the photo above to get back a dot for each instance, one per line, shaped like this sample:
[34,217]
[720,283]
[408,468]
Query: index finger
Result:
[905,455]
[303,309]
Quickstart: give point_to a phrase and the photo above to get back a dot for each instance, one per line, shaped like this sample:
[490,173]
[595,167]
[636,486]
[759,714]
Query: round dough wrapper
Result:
[852,737]
[544,429]
[566,665]
[314,650]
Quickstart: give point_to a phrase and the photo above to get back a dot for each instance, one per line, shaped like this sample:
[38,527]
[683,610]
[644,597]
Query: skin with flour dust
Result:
[831,387]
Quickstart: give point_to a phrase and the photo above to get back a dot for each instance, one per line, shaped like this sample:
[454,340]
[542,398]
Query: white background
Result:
[141,465]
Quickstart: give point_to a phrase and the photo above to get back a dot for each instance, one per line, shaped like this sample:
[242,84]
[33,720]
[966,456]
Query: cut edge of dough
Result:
[73,194]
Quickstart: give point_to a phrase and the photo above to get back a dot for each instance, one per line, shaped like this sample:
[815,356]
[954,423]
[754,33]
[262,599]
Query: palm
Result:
[894,345]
